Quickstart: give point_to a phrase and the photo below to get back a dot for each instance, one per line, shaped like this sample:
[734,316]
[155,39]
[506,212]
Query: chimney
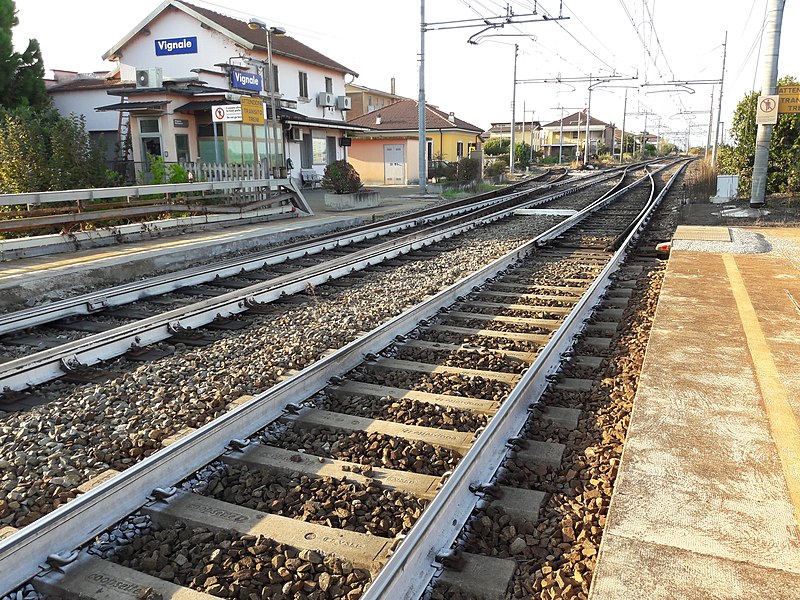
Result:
[378,120]
[392,87]
[452,117]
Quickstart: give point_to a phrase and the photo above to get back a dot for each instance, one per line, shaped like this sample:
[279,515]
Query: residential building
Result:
[183,60]
[364,99]
[389,152]
[78,93]
[528,132]
[568,135]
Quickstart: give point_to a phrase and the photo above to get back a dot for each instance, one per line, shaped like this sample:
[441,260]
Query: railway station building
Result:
[180,62]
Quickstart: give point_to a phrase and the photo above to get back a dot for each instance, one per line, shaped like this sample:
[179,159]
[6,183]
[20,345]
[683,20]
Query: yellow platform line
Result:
[782,422]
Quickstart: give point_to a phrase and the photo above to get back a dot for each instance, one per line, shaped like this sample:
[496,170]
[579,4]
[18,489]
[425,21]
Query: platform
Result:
[707,499]
[50,276]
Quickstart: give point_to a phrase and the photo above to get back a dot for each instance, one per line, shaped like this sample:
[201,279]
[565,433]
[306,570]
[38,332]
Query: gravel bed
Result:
[229,565]
[408,412]
[501,326]
[85,429]
[446,337]
[326,501]
[373,449]
[434,383]
[484,360]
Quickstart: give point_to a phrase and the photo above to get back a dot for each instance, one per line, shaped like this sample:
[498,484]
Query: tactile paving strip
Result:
[702,234]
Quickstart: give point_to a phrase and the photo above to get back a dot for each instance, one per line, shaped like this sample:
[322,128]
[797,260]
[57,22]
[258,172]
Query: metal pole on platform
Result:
[423,146]
[764,137]
[721,87]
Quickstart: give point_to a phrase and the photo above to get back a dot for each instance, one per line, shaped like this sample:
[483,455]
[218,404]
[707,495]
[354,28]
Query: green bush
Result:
[496,146]
[468,169]
[341,177]
[496,167]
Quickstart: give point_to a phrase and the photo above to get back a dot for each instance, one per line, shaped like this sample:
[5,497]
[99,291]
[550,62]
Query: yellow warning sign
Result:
[252,111]
[789,102]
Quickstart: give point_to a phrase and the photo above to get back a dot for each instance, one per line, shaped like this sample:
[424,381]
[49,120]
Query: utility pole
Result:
[644,134]
[423,144]
[588,121]
[721,86]
[622,134]
[710,121]
[513,109]
[764,137]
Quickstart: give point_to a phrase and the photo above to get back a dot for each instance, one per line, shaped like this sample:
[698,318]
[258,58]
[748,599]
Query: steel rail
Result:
[90,303]
[52,363]
[24,554]
[414,563]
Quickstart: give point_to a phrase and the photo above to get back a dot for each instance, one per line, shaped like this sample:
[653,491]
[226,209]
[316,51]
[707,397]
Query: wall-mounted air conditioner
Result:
[326,99]
[296,134]
[151,77]
[344,102]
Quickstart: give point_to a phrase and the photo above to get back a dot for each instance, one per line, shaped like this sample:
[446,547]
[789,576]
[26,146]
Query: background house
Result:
[529,132]
[389,153]
[573,128]
[364,99]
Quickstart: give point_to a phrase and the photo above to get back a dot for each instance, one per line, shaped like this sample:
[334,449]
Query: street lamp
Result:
[259,24]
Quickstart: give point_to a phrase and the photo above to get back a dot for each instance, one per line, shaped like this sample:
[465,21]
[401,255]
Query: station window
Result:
[303,79]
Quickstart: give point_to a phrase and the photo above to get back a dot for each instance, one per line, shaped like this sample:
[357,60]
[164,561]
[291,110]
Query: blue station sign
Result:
[245,81]
[182,45]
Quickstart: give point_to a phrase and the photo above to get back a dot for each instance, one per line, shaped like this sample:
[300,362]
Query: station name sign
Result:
[182,45]
[245,81]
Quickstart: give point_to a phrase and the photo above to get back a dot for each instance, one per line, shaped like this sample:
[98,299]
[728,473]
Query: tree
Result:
[21,75]
[522,154]
[630,144]
[783,172]
[497,146]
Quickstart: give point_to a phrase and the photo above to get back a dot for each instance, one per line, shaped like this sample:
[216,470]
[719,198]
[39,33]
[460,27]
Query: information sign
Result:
[245,81]
[767,110]
[224,113]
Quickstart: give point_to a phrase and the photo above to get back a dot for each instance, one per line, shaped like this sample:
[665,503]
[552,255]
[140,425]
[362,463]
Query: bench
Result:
[310,178]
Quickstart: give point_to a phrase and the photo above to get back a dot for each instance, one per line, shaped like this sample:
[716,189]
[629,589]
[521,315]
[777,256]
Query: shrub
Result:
[468,169]
[496,167]
[341,177]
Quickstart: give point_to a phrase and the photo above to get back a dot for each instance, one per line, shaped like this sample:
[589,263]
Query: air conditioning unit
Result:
[149,78]
[326,99]
[296,134]
[344,102]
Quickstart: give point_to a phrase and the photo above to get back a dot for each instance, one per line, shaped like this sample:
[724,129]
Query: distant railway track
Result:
[445,396]
[73,335]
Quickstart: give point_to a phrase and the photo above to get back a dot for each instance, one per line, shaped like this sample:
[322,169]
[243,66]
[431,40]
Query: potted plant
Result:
[348,192]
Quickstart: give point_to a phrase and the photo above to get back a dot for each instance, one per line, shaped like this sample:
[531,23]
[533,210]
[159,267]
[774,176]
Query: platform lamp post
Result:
[259,24]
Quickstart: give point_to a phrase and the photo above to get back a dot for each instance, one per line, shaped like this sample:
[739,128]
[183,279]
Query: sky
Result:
[653,41]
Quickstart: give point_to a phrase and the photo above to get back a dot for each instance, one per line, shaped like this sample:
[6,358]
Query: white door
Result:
[393,164]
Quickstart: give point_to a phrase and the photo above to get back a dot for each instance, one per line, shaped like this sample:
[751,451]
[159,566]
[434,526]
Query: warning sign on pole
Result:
[252,110]
[767,110]
[789,102]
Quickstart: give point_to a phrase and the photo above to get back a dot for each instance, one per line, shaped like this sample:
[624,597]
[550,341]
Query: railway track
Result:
[385,431]
[69,337]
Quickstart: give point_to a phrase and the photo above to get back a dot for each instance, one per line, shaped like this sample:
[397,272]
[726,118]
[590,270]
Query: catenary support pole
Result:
[513,110]
[622,134]
[423,145]
[588,121]
[710,122]
[561,137]
[721,88]
[772,46]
